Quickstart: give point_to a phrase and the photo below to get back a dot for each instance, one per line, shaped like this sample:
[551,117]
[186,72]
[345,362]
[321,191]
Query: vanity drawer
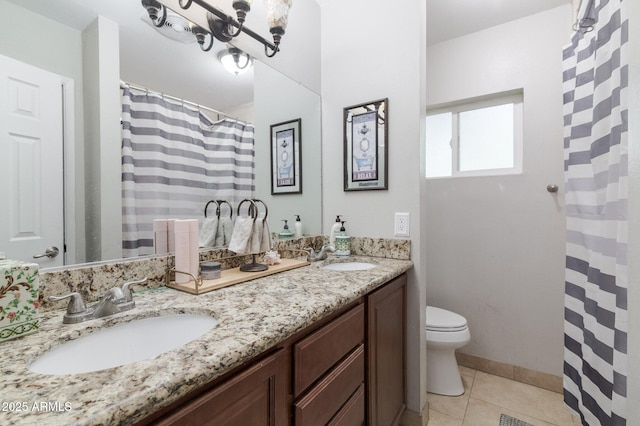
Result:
[352,413]
[334,392]
[317,353]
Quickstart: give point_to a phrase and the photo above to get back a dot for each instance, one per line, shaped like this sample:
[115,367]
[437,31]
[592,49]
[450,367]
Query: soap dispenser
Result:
[286,232]
[334,231]
[297,227]
[343,242]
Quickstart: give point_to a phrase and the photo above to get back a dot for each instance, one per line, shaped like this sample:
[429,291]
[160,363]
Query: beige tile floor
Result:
[486,397]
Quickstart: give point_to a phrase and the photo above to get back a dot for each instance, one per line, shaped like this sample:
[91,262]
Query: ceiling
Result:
[447,19]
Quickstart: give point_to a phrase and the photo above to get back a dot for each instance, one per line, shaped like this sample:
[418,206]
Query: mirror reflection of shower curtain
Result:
[174,160]
[595,70]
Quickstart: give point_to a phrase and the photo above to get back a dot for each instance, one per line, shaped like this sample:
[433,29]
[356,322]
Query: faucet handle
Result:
[115,294]
[76,304]
[126,290]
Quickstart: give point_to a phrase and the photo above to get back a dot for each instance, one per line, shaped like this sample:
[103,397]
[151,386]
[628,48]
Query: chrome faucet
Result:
[322,254]
[115,300]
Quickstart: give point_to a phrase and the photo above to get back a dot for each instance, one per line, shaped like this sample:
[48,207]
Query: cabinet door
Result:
[256,396]
[386,319]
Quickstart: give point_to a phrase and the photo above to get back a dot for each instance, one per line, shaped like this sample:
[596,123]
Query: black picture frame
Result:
[286,157]
[366,147]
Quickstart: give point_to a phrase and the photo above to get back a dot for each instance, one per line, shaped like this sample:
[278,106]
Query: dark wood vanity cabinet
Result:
[329,369]
[255,396]
[386,343]
[348,369]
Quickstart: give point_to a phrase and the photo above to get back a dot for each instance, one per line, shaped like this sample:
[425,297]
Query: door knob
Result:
[50,252]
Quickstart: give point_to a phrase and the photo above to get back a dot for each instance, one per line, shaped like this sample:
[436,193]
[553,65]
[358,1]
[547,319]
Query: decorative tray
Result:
[233,276]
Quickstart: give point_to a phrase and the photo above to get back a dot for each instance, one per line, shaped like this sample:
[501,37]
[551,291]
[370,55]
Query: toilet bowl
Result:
[446,331]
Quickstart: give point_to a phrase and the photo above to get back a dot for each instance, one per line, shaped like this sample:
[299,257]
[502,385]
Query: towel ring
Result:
[266,209]
[220,202]
[217,207]
[252,209]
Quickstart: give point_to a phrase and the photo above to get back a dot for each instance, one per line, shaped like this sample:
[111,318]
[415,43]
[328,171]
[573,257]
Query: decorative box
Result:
[19,291]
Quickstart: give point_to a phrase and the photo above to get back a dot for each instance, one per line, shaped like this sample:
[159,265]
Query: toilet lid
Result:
[442,320]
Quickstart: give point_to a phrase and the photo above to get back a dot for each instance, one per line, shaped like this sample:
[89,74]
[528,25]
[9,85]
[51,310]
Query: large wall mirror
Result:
[96,44]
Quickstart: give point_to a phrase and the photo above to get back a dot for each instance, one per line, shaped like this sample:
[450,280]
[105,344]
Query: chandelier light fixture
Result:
[225,27]
[176,26]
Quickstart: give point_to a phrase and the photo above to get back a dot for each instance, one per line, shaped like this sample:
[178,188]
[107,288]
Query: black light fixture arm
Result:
[201,36]
[236,54]
[242,7]
[157,12]
[277,33]
[232,23]
[220,27]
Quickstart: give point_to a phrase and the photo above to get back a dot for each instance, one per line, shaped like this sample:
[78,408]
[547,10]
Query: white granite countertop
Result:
[253,317]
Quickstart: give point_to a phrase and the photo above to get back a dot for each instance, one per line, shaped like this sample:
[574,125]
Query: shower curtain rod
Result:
[124,84]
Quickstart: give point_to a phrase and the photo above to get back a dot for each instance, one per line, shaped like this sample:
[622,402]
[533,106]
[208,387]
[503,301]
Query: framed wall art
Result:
[365,146]
[286,164]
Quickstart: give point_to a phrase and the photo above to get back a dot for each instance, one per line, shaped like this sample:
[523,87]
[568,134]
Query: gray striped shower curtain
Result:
[596,163]
[174,160]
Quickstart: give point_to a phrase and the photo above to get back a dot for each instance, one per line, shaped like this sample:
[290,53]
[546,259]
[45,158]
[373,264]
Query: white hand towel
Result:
[209,232]
[266,237]
[241,237]
[227,229]
[220,233]
[256,236]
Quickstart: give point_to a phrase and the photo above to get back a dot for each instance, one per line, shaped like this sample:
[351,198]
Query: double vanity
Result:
[305,346]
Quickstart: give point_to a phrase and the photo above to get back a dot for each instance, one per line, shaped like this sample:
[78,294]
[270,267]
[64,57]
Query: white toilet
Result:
[446,332]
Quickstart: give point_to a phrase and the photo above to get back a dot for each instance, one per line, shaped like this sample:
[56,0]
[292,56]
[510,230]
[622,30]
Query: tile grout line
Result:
[466,406]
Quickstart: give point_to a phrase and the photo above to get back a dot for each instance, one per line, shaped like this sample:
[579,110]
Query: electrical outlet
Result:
[401,224]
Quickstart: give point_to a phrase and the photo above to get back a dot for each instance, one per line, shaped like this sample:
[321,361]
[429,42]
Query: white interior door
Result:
[31,163]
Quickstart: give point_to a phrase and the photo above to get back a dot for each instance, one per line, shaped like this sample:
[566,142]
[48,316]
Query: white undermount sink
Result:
[123,344]
[349,266]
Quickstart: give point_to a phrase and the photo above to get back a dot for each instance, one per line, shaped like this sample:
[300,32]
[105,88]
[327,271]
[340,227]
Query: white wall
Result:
[278,99]
[103,139]
[495,245]
[363,60]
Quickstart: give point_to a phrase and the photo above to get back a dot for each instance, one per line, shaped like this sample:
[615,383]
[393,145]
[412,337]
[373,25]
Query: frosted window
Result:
[476,138]
[486,138]
[438,152]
